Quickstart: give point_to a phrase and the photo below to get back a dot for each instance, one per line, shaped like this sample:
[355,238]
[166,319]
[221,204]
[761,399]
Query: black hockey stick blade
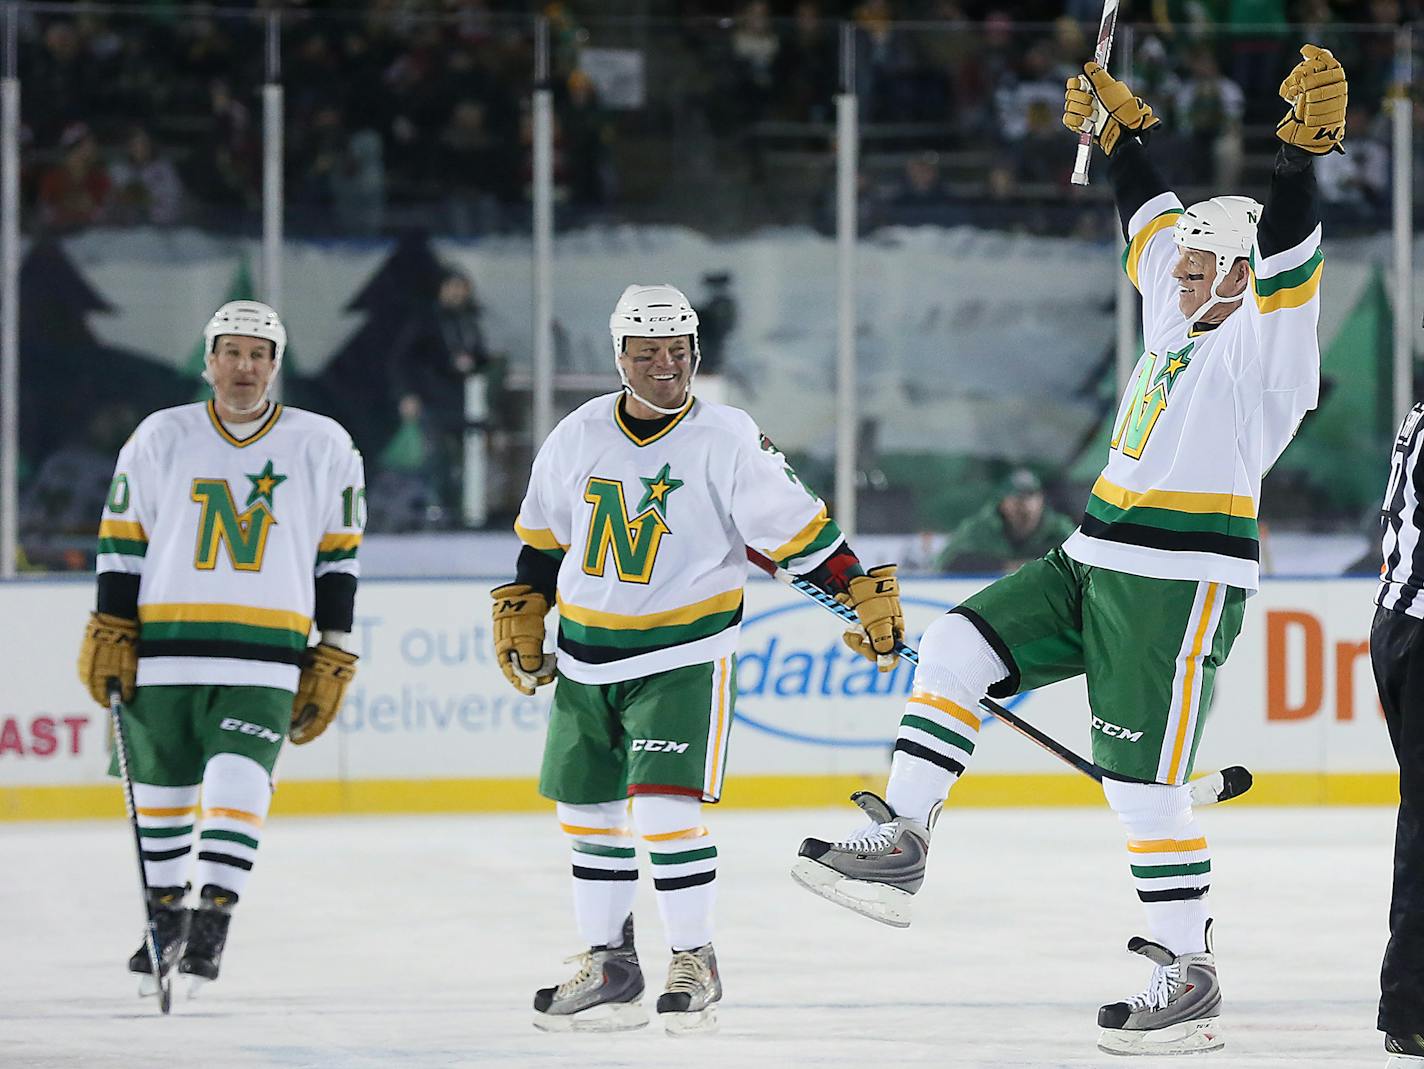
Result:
[150,927]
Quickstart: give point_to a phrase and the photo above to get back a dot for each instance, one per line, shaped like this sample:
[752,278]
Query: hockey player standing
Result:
[1397,654]
[639,510]
[1145,598]
[231,527]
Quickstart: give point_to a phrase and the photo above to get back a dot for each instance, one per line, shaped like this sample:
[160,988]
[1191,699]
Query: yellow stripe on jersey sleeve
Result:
[1138,245]
[803,538]
[538,537]
[331,542]
[129,530]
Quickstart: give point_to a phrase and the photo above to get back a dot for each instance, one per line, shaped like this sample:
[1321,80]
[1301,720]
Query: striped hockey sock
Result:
[684,858]
[1170,860]
[605,868]
[1173,877]
[941,725]
[236,796]
[935,742]
[165,825]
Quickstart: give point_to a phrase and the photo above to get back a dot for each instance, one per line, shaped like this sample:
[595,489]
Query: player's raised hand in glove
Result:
[519,613]
[1317,93]
[1101,105]
[875,597]
[109,651]
[327,671]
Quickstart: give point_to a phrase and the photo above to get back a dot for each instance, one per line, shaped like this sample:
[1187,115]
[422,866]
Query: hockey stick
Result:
[150,928]
[1218,787]
[1106,28]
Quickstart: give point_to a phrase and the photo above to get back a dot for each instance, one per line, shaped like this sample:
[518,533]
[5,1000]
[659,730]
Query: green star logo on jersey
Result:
[657,489]
[1176,363]
[264,485]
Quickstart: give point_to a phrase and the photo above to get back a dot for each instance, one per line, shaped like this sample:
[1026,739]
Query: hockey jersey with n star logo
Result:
[228,537]
[651,534]
[1205,415]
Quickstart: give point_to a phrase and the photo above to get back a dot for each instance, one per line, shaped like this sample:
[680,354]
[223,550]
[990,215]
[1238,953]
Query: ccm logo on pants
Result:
[231,723]
[659,746]
[1114,731]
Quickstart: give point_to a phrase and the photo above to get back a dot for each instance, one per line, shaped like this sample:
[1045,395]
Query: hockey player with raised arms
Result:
[231,529]
[1145,599]
[639,510]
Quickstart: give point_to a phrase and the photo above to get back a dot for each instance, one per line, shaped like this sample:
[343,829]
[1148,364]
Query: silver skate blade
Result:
[698,1023]
[195,984]
[605,1017]
[1189,1037]
[1404,1061]
[878,901]
[147,985]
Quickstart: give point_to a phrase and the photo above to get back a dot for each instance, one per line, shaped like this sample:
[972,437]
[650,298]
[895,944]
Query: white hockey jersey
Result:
[227,537]
[1205,415]
[651,534]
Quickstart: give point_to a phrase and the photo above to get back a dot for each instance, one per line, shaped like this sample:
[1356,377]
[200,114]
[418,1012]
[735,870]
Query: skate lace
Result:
[577,981]
[871,837]
[688,973]
[1159,989]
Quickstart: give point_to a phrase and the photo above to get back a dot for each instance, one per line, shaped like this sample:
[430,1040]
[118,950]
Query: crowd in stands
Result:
[406,116]
[418,113]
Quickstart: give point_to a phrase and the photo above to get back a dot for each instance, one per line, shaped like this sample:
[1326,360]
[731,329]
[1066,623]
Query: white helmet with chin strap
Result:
[246,319]
[1224,227]
[653,312]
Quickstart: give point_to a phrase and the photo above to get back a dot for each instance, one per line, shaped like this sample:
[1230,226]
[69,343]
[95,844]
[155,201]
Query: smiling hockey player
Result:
[639,510]
[231,528]
[1146,597]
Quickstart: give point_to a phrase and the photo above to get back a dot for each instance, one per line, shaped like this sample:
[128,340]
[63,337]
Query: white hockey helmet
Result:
[1225,226]
[247,319]
[660,311]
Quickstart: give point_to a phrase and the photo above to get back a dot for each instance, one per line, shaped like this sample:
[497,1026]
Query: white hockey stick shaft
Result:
[1106,29]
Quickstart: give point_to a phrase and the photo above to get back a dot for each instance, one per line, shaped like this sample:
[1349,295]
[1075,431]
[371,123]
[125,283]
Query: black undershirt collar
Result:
[643,428]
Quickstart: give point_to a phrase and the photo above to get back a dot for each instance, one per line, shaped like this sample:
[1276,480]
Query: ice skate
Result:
[207,935]
[1405,1051]
[170,919]
[604,995]
[688,1005]
[1176,1014]
[875,871]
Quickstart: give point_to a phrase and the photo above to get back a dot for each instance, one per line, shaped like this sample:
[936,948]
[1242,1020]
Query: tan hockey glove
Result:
[1317,93]
[109,651]
[875,597]
[326,672]
[519,636]
[1098,103]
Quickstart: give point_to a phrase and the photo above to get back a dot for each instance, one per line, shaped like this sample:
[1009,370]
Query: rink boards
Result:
[431,725]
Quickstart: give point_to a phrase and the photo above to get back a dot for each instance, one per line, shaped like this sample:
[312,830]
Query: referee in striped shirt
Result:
[1397,655]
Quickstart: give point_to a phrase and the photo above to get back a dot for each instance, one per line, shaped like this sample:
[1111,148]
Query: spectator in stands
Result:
[226,169]
[754,49]
[74,192]
[588,135]
[147,188]
[471,158]
[1209,114]
[1019,526]
[1027,102]
[1355,186]
[920,196]
[58,81]
[806,71]
[450,349]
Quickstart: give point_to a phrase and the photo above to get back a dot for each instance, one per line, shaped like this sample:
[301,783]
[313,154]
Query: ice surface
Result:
[419,941]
